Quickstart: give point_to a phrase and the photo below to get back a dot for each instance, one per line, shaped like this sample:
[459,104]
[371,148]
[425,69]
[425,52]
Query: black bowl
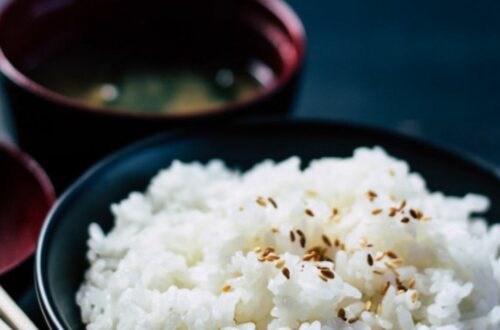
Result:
[60,259]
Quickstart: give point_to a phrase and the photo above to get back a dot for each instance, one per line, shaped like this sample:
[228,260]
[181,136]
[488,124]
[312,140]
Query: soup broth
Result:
[149,85]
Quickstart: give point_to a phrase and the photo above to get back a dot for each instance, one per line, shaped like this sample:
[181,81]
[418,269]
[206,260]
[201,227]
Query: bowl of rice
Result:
[276,225]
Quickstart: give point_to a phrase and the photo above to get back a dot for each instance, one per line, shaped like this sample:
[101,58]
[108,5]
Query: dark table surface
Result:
[426,68]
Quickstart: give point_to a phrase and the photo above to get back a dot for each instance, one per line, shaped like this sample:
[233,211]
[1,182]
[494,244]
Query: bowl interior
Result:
[26,198]
[61,255]
[183,33]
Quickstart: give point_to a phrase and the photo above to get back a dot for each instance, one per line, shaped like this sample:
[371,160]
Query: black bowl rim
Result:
[46,302]
[280,8]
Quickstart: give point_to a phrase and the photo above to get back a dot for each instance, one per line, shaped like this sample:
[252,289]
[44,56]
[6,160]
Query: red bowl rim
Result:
[279,8]
[43,182]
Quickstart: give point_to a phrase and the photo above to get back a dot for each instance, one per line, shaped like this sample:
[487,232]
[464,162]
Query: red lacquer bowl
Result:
[25,198]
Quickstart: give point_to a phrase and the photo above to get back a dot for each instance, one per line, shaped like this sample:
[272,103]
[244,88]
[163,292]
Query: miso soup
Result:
[149,84]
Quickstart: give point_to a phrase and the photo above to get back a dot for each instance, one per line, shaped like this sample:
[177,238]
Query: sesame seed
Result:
[379,309]
[310,256]
[272,257]
[257,249]
[302,239]
[378,272]
[392,212]
[341,314]
[261,201]
[309,212]
[226,288]
[241,209]
[275,230]
[391,255]
[405,220]
[379,256]
[369,259]
[337,242]
[286,272]
[311,193]
[371,195]
[292,236]
[368,305]
[391,172]
[377,211]
[397,261]
[386,287]
[400,292]
[353,320]
[425,219]
[362,242]
[335,211]
[328,273]
[273,202]
[326,240]
[267,251]
[411,283]
[402,205]
[414,296]
[323,277]
[342,246]
[280,264]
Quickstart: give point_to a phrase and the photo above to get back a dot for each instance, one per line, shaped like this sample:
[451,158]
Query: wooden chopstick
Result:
[12,314]
[4,326]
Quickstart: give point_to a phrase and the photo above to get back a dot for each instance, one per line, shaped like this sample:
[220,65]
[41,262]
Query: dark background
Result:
[428,68]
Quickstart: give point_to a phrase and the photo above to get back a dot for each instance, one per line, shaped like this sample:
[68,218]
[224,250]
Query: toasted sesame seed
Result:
[309,212]
[275,230]
[273,202]
[226,288]
[272,257]
[337,242]
[397,261]
[323,277]
[369,259]
[392,212]
[261,258]
[411,283]
[342,246]
[261,201]
[362,242]
[405,220]
[286,272]
[267,251]
[379,309]
[378,272]
[353,320]
[326,240]
[400,292]
[341,314]
[414,296]
[385,287]
[280,264]
[377,211]
[368,305]
[302,239]
[379,256]
[335,211]
[402,205]
[391,268]
[371,195]
[328,273]
[310,256]
[391,255]
[292,236]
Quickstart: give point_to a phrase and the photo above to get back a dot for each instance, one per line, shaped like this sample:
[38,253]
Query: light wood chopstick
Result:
[4,326]
[12,314]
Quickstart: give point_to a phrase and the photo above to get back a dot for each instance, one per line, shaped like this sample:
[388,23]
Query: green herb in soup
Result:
[134,85]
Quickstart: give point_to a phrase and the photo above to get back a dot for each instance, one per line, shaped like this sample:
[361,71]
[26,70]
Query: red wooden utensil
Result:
[26,195]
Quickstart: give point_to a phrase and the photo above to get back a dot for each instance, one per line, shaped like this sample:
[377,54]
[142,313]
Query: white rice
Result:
[182,254]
